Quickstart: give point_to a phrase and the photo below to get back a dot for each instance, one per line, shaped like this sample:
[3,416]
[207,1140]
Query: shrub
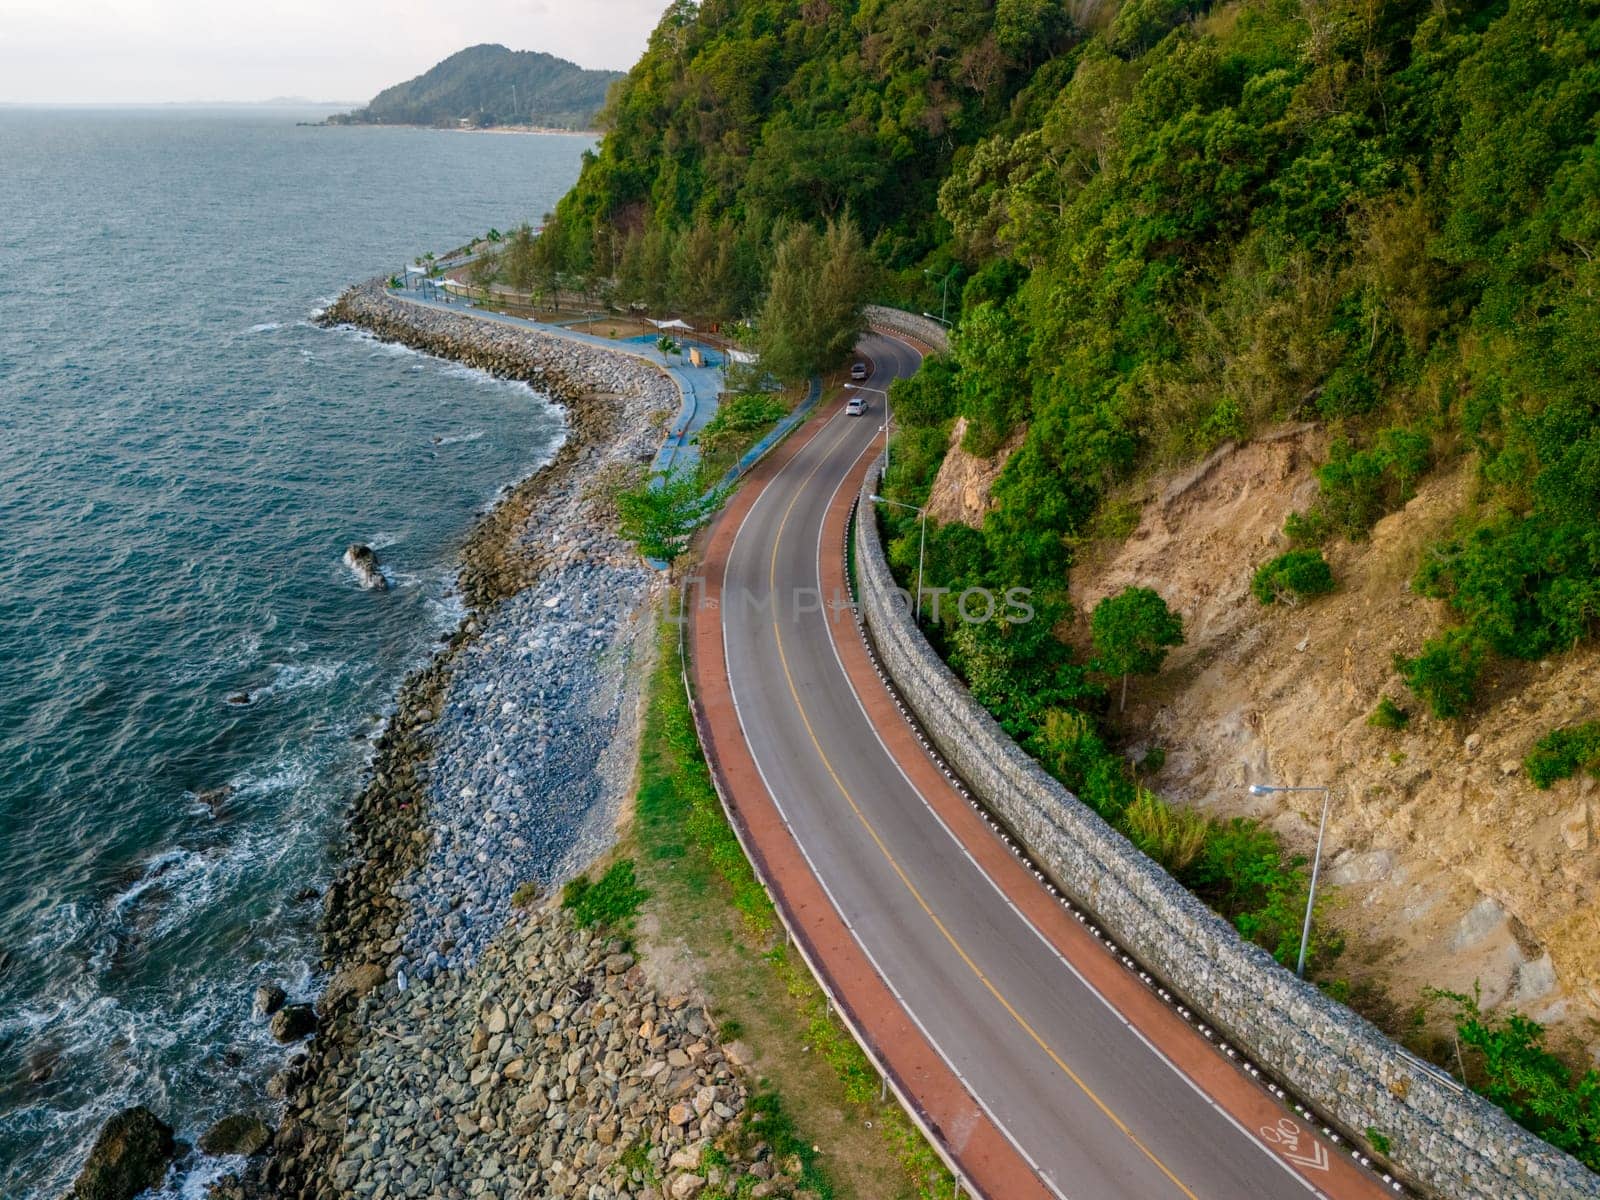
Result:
[739,416]
[1347,393]
[1359,486]
[1295,575]
[1528,587]
[1446,673]
[1389,715]
[660,514]
[1562,753]
[1020,670]
[1068,746]
[1243,873]
[612,900]
[1174,837]
[1536,1089]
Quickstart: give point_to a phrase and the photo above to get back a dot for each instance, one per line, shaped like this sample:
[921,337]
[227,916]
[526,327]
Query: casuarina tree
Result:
[1132,632]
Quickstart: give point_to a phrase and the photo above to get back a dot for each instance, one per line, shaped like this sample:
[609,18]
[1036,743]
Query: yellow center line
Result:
[783,658]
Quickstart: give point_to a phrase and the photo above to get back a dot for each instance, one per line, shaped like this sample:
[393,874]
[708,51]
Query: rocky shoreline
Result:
[472,1041]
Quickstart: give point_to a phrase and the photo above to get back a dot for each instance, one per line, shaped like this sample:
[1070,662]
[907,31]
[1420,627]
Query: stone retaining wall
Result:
[922,329]
[1448,1140]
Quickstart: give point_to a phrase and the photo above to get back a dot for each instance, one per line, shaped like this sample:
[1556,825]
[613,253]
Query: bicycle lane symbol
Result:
[1296,1145]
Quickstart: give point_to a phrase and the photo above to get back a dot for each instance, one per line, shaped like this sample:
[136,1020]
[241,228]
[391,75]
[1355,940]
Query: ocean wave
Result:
[297,677]
[265,327]
[240,653]
[454,439]
[282,774]
[447,610]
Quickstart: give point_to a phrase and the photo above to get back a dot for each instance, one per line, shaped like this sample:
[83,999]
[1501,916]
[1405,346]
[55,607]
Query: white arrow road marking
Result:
[1287,1136]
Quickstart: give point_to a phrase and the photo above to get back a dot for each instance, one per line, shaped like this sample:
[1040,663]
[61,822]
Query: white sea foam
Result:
[266,327]
[296,677]
[281,774]
[453,439]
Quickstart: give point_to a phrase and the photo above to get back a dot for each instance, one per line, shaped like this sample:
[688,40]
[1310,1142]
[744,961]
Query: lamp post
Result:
[1266,789]
[857,387]
[944,293]
[922,546]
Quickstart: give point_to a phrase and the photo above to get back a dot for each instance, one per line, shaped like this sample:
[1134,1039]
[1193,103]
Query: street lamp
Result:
[944,292]
[922,546]
[857,387]
[1264,789]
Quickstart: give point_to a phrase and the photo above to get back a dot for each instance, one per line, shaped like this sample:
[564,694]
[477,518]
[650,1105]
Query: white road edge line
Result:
[821,882]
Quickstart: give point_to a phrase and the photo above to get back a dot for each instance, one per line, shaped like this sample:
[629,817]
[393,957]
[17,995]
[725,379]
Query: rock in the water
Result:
[363,560]
[238,1134]
[269,999]
[293,1022]
[349,984]
[215,798]
[129,1156]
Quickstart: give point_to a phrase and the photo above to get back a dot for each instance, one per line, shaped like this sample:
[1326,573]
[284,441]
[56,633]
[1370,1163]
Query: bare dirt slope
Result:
[961,490]
[1453,870]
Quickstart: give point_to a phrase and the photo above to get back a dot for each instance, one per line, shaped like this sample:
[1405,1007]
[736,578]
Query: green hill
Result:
[491,85]
[1164,224]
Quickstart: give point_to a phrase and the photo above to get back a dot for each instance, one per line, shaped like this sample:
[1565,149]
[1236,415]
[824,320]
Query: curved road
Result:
[1093,1099]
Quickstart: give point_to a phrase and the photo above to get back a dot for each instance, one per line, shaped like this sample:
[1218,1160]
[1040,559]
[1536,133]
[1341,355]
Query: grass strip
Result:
[705,893]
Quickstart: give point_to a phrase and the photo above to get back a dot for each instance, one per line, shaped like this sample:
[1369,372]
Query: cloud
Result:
[88,51]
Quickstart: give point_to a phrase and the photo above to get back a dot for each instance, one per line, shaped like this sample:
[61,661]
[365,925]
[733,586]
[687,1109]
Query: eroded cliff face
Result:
[1453,870]
[961,490]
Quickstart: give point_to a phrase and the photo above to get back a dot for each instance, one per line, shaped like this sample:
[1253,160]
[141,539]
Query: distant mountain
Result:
[485,86]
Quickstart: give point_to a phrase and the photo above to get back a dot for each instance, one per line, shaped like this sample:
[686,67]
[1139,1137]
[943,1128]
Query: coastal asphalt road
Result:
[1089,1101]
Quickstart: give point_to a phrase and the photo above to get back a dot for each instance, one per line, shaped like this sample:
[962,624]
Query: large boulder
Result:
[269,998]
[293,1022]
[239,1134]
[352,983]
[363,560]
[130,1155]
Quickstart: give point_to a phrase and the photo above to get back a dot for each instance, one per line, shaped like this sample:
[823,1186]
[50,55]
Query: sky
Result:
[156,51]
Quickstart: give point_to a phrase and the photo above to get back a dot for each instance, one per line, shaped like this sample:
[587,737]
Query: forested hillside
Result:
[1160,225]
[1164,225]
[490,85]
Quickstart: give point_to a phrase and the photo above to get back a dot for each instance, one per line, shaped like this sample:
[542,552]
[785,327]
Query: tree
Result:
[662,513]
[812,315]
[1132,632]
[483,271]
[521,259]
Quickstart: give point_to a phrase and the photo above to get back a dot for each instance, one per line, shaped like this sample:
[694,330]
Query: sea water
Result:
[184,457]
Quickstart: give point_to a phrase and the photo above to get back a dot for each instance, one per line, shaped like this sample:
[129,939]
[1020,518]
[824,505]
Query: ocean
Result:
[183,459]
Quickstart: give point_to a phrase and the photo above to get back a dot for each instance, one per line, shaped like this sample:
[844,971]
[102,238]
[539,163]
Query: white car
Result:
[856,407]
[858,371]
